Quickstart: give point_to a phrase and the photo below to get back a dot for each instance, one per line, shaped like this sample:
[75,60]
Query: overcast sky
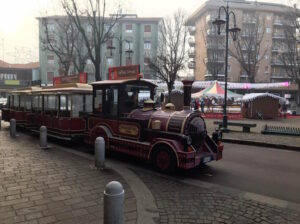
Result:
[19,27]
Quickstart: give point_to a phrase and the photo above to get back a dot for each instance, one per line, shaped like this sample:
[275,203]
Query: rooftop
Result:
[30,65]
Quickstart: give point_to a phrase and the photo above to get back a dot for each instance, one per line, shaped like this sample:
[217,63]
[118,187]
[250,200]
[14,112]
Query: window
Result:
[89,61]
[77,105]
[268,30]
[269,17]
[146,61]
[63,103]
[147,28]
[109,43]
[128,45]
[50,102]
[89,29]
[50,59]
[50,27]
[147,45]
[228,68]
[129,28]
[111,101]
[110,61]
[16,101]
[88,103]
[50,76]
[266,69]
[266,56]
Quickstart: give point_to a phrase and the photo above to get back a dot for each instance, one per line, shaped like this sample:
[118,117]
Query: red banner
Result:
[124,72]
[79,78]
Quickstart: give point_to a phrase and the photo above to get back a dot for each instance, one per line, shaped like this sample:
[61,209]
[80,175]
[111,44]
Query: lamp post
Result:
[129,51]
[234,31]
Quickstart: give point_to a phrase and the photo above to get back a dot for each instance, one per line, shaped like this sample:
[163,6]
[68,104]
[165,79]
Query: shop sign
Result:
[124,72]
[79,78]
[12,82]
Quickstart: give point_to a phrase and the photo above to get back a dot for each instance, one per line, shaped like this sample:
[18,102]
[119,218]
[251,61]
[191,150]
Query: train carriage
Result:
[125,116]
[62,109]
[18,105]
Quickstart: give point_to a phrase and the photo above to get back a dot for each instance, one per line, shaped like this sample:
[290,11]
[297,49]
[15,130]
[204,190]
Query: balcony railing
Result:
[278,22]
[249,20]
[191,53]
[276,62]
[278,35]
[191,65]
[191,42]
[215,46]
[215,61]
[192,30]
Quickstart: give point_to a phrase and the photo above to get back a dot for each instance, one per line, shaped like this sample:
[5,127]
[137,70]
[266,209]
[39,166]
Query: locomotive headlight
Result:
[189,140]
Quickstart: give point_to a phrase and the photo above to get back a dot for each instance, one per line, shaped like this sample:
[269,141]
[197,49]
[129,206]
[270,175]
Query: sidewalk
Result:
[255,136]
[52,186]
[61,185]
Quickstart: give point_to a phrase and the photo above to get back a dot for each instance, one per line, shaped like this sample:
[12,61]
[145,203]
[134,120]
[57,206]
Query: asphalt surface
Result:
[266,171]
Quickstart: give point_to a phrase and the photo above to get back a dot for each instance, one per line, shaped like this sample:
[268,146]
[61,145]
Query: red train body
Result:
[122,113]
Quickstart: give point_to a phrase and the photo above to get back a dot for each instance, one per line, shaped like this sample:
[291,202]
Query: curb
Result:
[263,144]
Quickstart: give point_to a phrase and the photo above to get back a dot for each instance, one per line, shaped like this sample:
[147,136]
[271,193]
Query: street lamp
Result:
[129,51]
[234,31]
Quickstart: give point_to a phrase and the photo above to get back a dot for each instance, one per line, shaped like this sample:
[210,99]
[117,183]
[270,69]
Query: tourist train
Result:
[123,112]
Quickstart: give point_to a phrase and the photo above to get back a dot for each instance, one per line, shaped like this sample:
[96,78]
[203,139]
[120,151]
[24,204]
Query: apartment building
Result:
[207,51]
[135,42]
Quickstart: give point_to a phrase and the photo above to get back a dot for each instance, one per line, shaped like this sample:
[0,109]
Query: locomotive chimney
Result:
[187,89]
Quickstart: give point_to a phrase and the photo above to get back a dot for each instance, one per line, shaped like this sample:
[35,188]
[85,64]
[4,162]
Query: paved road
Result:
[265,171]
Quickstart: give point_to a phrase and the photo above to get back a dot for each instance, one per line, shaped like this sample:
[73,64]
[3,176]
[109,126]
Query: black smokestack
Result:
[187,89]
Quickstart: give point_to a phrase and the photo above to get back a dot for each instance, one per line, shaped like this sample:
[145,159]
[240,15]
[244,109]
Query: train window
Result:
[63,103]
[51,103]
[16,101]
[22,102]
[88,103]
[111,101]
[28,102]
[77,105]
[35,103]
[98,101]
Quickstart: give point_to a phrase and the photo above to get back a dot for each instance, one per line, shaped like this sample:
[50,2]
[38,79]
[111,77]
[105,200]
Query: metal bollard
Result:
[43,137]
[0,121]
[13,129]
[100,153]
[114,203]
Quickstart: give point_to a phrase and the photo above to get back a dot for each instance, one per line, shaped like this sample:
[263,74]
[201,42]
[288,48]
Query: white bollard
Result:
[43,137]
[114,203]
[13,129]
[100,153]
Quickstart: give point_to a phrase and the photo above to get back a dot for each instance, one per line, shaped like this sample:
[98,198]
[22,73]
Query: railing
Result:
[278,35]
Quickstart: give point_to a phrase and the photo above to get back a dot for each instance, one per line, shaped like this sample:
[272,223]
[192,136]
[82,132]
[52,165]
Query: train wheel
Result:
[164,160]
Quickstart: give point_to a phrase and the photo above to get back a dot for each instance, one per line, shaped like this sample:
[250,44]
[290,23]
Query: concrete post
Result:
[114,203]
[100,153]
[13,129]
[43,137]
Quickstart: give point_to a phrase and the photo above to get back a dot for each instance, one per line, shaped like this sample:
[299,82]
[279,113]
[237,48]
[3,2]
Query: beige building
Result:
[207,51]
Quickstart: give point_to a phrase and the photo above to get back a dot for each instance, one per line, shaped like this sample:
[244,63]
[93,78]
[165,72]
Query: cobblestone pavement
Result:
[52,186]
[255,134]
[182,203]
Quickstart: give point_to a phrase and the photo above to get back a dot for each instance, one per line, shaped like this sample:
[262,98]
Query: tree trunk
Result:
[169,93]
[97,72]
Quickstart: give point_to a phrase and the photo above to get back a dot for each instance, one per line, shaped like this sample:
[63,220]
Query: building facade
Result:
[14,76]
[134,42]
[207,52]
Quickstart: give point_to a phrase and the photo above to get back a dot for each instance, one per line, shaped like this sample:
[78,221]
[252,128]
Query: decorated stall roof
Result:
[252,96]
[230,85]
[66,88]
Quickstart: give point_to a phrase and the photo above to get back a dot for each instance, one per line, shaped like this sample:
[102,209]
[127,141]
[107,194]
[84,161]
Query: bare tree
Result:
[215,53]
[290,55]
[59,39]
[171,53]
[247,47]
[94,26]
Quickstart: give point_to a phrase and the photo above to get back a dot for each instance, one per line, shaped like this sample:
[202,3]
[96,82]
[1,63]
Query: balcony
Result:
[278,76]
[191,53]
[215,61]
[192,65]
[191,42]
[215,47]
[192,30]
[278,22]
[276,62]
[249,20]
[278,36]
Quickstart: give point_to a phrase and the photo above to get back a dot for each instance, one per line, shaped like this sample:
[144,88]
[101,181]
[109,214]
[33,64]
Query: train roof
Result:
[26,90]
[66,88]
[122,82]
